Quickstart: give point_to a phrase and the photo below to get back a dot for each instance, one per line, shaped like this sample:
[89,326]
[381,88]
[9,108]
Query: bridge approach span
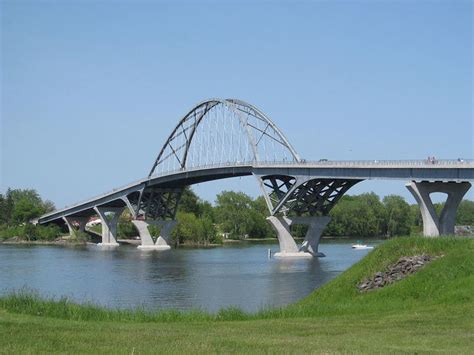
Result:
[351,172]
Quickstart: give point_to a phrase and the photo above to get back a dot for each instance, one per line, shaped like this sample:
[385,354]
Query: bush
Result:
[80,237]
[50,232]
[30,232]
[154,230]
[126,229]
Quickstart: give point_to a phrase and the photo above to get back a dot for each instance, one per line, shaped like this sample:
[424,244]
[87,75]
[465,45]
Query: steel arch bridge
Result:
[223,138]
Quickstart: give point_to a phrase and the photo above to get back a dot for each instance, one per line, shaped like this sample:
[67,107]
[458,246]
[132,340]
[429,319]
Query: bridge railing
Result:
[449,163]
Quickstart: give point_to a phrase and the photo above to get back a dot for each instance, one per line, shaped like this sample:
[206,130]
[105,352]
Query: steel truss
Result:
[155,203]
[303,197]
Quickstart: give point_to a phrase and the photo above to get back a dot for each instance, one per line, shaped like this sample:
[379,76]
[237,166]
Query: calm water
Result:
[210,279]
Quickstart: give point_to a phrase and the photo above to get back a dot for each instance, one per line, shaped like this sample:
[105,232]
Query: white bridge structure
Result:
[224,138]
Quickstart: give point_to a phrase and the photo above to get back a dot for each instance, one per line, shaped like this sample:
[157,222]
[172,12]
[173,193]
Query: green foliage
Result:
[30,232]
[193,230]
[206,210]
[49,232]
[399,217]
[17,208]
[20,206]
[357,216]
[24,211]
[465,215]
[232,213]
[416,217]
[80,237]
[189,202]
[299,230]
[96,228]
[240,216]
[125,228]
[154,230]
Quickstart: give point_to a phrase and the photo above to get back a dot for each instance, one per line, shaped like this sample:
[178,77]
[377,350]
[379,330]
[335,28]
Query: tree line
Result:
[236,215]
[17,208]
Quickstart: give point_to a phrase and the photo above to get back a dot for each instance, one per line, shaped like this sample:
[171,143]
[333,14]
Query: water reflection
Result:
[210,279]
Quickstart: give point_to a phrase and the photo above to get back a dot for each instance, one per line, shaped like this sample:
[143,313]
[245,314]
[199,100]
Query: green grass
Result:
[97,229]
[431,312]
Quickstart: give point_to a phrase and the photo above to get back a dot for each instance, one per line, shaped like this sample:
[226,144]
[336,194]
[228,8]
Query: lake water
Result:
[208,278]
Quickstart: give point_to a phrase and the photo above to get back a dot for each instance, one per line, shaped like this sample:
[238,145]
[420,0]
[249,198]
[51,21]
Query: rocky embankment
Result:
[405,266]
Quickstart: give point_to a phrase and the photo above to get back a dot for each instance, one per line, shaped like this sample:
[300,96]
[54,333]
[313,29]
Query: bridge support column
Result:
[281,225]
[69,220]
[316,226]
[288,247]
[109,225]
[432,224]
[161,243]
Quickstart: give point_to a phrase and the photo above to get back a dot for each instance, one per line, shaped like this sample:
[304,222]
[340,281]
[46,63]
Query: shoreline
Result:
[225,242]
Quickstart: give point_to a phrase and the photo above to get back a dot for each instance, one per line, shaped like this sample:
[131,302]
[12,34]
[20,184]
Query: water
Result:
[209,278]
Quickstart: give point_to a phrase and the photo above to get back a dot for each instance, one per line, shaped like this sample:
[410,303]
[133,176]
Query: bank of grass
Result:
[431,311]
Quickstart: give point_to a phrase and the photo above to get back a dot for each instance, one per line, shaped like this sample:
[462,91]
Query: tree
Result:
[206,210]
[399,218]
[417,221]
[189,202]
[357,216]
[233,213]
[190,229]
[6,208]
[24,211]
[20,206]
[3,215]
[465,215]
[260,228]
[48,206]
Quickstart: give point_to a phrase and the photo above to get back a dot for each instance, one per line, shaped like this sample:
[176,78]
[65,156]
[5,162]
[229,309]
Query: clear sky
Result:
[91,89]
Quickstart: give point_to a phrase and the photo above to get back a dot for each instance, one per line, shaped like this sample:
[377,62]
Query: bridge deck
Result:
[442,170]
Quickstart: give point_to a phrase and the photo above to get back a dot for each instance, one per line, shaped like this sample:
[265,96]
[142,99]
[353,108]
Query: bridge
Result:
[225,138]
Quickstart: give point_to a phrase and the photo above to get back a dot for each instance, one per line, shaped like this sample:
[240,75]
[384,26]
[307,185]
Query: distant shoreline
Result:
[66,242]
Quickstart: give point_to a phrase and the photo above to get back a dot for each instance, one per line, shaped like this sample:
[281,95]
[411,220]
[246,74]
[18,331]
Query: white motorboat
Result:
[361,246]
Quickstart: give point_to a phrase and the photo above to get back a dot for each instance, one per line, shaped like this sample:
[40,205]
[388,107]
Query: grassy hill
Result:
[431,311]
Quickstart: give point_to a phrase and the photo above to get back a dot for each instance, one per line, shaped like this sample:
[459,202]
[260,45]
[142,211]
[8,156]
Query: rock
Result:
[405,266]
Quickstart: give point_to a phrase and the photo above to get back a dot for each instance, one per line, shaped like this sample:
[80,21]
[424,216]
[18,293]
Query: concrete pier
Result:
[109,225]
[147,241]
[288,246]
[434,225]
[316,226]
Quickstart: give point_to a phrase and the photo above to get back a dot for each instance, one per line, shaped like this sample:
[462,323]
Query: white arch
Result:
[199,112]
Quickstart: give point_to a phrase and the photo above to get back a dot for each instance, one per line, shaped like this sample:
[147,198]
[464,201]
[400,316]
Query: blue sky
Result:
[91,90]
